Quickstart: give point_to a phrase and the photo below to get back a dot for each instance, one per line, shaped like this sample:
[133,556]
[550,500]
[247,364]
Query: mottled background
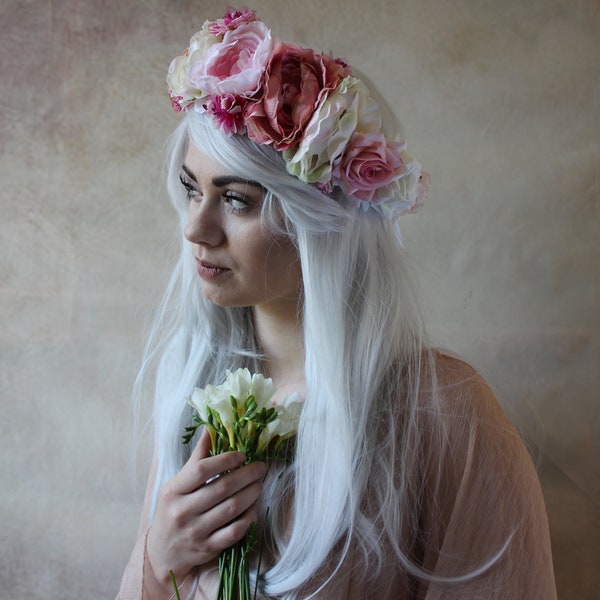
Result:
[500,101]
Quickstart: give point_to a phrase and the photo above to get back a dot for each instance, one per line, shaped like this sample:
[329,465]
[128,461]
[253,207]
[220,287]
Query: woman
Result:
[407,481]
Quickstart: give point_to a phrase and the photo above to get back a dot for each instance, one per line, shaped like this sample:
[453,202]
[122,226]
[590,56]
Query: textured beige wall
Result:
[500,100]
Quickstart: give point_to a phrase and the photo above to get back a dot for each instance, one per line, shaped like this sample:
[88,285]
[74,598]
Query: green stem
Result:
[172,576]
[260,554]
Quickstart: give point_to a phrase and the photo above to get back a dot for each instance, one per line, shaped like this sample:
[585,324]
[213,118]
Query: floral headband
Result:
[306,105]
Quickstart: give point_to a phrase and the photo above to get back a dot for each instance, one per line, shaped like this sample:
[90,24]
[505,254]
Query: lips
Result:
[208,270]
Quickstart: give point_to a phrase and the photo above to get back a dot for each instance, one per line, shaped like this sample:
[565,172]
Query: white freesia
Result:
[199,400]
[241,384]
[286,423]
[239,415]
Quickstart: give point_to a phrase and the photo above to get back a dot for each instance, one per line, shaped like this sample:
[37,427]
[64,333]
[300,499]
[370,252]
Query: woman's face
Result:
[239,261]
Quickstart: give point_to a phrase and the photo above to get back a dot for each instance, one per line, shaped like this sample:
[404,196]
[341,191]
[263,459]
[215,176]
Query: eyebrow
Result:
[224,179]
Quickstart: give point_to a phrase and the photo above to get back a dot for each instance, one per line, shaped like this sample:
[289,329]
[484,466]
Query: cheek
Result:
[283,263]
[272,258]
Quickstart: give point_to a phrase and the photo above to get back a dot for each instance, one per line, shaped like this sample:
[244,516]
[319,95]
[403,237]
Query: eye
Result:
[236,202]
[190,189]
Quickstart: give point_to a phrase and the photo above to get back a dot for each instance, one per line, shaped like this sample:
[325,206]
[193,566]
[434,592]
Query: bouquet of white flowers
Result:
[239,416]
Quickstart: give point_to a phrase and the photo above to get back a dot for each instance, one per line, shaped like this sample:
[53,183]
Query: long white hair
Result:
[364,344]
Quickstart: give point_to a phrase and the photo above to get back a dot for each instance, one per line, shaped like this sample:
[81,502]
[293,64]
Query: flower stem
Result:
[172,576]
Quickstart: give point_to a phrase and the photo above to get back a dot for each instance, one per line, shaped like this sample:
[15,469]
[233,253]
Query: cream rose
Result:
[182,91]
[347,109]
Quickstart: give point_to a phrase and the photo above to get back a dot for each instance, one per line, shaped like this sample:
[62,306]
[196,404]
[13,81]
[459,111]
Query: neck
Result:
[280,338]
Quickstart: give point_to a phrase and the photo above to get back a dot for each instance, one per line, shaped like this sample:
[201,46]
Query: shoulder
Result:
[464,430]
[481,497]
[451,386]
[462,424]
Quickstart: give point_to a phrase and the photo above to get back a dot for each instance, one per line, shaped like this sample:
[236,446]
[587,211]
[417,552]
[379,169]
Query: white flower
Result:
[286,423]
[288,415]
[241,384]
[347,109]
[403,194]
[199,400]
[240,415]
[182,90]
[200,43]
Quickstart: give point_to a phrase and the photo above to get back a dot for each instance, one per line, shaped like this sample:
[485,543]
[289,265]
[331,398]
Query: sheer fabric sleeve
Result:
[138,581]
[483,515]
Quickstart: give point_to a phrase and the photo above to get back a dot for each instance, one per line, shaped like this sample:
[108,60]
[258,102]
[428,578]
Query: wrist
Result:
[157,582]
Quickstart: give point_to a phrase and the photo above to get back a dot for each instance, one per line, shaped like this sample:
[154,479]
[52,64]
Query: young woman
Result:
[407,480]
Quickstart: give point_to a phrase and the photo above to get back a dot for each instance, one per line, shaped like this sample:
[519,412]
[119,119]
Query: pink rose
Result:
[231,20]
[368,165]
[228,113]
[236,64]
[296,80]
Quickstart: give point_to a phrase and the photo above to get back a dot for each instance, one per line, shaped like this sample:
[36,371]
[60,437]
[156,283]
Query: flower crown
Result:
[306,105]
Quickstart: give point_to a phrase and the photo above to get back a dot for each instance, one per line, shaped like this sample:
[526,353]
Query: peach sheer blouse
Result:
[481,494]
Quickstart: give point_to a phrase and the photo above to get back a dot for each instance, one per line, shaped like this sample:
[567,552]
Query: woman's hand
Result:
[196,520]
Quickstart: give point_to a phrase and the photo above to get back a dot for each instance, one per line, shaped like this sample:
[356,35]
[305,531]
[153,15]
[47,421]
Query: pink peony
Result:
[228,113]
[369,164]
[231,20]
[236,64]
[296,80]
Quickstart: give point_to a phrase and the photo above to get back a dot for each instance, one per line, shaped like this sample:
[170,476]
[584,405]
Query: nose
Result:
[204,225]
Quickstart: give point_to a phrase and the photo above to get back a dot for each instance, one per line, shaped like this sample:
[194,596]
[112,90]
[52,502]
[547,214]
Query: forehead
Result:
[200,162]
[199,165]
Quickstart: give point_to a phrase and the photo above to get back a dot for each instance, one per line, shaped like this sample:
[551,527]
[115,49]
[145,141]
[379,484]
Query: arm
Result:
[197,516]
[484,505]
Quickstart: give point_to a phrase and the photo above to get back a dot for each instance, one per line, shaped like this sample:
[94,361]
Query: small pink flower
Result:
[228,113]
[236,64]
[368,165]
[296,80]
[176,103]
[231,20]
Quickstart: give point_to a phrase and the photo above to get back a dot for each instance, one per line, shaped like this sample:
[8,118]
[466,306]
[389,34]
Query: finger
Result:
[233,492]
[203,448]
[232,532]
[196,473]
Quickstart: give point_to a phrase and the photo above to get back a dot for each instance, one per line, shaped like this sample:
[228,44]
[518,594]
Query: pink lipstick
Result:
[207,270]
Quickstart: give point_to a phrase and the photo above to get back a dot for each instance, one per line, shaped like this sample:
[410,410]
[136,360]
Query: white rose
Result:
[201,41]
[178,75]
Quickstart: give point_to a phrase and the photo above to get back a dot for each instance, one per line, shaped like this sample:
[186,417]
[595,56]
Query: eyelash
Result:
[190,190]
[229,197]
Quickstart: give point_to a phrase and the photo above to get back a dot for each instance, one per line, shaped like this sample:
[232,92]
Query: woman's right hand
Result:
[196,520]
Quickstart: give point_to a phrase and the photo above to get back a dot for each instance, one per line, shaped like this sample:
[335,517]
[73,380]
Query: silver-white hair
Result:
[364,348]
